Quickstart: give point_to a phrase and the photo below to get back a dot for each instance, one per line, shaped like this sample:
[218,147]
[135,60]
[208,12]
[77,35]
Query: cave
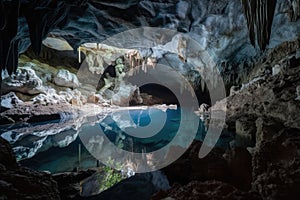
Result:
[159,92]
[143,100]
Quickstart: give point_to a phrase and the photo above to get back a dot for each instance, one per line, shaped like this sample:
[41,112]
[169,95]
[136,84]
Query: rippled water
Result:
[55,146]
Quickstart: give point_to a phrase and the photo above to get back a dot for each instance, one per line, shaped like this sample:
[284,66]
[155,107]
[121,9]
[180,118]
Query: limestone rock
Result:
[240,167]
[69,183]
[10,100]
[66,79]
[49,97]
[190,167]
[245,132]
[25,81]
[203,108]
[123,95]
[7,157]
[234,90]
[276,166]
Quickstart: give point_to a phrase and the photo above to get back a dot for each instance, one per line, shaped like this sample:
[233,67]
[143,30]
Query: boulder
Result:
[10,100]
[50,97]
[123,95]
[66,79]
[24,81]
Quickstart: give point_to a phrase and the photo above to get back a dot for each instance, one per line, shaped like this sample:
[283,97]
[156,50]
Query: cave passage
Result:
[159,93]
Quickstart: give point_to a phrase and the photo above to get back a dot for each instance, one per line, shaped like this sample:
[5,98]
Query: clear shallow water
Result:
[54,146]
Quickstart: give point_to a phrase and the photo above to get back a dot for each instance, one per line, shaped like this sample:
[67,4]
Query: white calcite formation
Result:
[25,81]
[66,79]
[10,100]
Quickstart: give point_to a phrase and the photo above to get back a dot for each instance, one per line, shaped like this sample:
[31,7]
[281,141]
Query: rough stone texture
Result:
[66,79]
[234,167]
[139,186]
[276,165]
[29,112]
[240,167]
[204,190]
[20,183]
[269,105]
[123,94]
[245,132]
[10,100]
[272,97]
[69,183]
[25,81]
[219,26]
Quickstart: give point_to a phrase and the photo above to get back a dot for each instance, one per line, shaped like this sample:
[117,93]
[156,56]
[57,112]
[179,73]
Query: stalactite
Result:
[79,54]
[202,85]
[259,15]
[295,10]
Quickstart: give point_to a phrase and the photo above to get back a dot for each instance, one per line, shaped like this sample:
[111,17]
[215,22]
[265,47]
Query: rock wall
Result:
[219,26]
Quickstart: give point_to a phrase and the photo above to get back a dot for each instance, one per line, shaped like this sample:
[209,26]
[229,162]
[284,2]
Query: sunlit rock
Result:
[66,79]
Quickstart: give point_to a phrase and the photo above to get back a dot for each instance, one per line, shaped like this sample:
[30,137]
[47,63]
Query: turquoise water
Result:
[60,151]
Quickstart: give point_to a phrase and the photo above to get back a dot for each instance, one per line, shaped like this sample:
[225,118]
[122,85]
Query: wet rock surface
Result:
[264,114]
[21,183]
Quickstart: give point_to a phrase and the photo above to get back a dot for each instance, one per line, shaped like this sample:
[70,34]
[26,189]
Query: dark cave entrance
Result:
[157,94]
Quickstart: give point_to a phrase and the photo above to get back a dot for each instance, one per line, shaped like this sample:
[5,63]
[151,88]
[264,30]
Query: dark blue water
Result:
[59,158]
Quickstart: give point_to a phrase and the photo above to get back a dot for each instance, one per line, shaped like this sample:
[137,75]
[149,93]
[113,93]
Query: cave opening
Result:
[157,94]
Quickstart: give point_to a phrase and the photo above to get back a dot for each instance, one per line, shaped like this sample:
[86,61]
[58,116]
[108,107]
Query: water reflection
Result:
[55,146]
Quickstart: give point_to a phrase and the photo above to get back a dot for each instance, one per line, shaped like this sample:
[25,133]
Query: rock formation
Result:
[259,15]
